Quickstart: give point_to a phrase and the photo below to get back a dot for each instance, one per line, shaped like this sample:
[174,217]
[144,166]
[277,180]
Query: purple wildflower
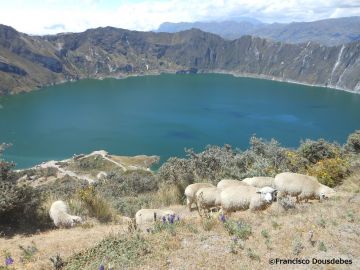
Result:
[164,219]
[235,239]
[171,219]
[102,267]
[9,261]
[222,218]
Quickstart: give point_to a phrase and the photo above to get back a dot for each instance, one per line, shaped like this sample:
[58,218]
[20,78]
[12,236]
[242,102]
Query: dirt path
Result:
[58,241]
[104,154]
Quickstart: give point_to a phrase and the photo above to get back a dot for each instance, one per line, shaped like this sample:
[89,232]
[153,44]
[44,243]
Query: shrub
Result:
[96,205]
[28,252]
[20,206]
[296,162]
[57,262]
[208,222]
[314,151]
[128,206]
[177,171]
[167,224]
[239,229]
[297,247]
[353,142]
[330,172]
[322,246]
[129,183]
[167,195]
[236,244]
[63,188]
[252,255]
[264,158]
[121,250]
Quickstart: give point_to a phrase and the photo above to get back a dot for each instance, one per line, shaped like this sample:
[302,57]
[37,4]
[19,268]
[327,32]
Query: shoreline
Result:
[217,71]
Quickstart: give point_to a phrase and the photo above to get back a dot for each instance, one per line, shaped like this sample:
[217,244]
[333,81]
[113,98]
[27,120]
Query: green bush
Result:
[128,183]
[122,251]
[128,206]
[239,228]
[63,188]
[353,142]
[330,172]
[314,151]
[96,205]
[20,205]
[178,171]
[264,158]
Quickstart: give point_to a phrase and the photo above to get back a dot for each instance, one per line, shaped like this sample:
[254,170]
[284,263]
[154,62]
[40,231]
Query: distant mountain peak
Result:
[329,32]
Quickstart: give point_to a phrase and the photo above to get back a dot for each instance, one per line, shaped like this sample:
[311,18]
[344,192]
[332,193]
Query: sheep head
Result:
[325,192]
[75,220]
[267,194]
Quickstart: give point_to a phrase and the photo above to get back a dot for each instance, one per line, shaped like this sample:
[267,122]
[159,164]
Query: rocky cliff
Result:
[28,62]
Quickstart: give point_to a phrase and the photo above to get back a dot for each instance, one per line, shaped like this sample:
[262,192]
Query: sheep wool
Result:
[303,187]
[246,197]
[59,215]
[259,181]
[190,192]
[229,182]
[146,216]
[208,197]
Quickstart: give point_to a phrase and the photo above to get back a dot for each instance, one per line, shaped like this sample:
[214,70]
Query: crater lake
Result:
[162,115]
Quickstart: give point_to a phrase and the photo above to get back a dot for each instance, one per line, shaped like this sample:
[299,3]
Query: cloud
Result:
[52,16]
[56,27]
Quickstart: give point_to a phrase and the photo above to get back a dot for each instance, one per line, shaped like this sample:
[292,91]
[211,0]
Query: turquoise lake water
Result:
[161,115]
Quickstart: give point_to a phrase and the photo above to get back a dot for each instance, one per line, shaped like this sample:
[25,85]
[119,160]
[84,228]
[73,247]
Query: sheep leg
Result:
[188,203]
[303,197]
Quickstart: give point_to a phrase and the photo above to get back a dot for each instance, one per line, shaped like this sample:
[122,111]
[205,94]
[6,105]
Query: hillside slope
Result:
[28,62]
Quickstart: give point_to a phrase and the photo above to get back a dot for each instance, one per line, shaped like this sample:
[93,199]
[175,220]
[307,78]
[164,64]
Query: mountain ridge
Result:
[329,32]
[30,62]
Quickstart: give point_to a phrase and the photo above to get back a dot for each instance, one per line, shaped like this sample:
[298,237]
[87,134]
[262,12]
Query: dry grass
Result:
[276,233]
[334,225]
[135,162]
[326,230]
[62,241]
[90,165]
[167,195]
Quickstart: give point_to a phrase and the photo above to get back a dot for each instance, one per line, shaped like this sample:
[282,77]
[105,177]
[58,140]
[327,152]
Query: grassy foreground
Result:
[103,188]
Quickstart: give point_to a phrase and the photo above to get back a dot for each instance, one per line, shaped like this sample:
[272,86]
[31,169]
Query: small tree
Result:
[315,151]
[353,142]
[19,204]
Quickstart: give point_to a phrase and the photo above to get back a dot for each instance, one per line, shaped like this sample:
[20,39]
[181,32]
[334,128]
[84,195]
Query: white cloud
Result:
[40,16]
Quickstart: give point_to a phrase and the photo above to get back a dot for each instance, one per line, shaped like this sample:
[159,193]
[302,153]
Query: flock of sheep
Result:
[229,195]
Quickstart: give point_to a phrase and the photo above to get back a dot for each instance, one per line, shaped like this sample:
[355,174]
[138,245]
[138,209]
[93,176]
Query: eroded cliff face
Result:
[28,62]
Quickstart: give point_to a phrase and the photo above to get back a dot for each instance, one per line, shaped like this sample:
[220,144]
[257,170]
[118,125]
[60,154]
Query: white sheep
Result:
[246,197]
[149,216]
[190,192]
[229,182]
[59,215]
[303,187]
[207,198]
[259,181]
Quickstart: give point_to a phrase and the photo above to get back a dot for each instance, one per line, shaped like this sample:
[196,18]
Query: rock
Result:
[354,199]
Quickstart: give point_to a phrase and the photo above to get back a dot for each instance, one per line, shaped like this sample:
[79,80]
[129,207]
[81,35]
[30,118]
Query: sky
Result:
[55,16]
